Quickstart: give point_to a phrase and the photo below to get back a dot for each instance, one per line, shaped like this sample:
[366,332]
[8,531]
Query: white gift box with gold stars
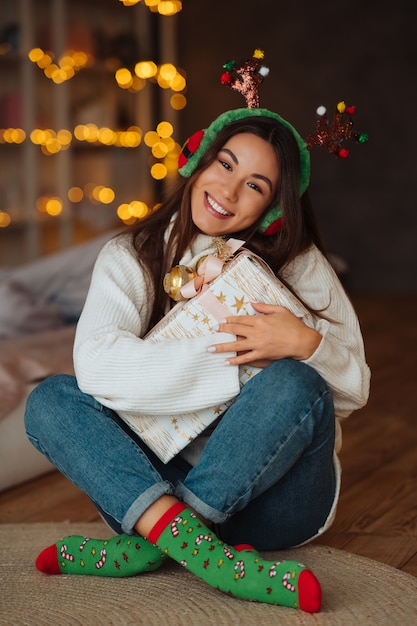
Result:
[244,279]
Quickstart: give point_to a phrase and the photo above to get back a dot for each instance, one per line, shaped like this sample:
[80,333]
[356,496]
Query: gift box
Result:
[244,279]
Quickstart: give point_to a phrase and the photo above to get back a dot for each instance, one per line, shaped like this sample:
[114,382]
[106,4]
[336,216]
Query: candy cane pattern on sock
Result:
[272,569]
[239,569]
[228,553]
[101,562]
[64,553]
[201,538]
[174,526]
[82,546]
[285,582]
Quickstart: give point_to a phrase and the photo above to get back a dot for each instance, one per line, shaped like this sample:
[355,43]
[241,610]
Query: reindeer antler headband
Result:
[246,78]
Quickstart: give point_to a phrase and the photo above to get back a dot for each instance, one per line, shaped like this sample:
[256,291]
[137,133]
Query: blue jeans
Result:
[265,477]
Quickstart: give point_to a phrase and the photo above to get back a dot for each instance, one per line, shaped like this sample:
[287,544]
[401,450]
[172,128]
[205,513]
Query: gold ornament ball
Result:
[175,279]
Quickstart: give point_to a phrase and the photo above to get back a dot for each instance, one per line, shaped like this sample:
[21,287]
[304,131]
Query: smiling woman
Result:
[244,178]
[233,192]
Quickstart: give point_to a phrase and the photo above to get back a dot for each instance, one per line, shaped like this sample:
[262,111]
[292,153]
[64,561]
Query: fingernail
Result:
[211,349]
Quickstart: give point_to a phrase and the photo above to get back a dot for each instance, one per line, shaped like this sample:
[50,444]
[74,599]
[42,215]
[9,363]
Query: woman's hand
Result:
[260,339]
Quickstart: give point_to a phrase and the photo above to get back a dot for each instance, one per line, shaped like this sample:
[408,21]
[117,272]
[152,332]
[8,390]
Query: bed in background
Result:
[39,306]
[24,361]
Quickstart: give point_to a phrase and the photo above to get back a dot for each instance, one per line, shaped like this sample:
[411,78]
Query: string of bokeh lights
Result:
[164,149]
[163,7]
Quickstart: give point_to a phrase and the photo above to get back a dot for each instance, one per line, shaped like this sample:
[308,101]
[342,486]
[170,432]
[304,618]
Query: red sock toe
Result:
[47,561]
[309,592]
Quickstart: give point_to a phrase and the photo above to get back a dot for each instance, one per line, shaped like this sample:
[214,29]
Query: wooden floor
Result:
[377,515]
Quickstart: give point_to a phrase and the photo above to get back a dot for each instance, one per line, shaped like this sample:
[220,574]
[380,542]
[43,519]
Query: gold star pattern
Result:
[221,297]
[239,304]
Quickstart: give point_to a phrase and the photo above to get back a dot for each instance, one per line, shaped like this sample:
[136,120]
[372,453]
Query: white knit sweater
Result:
[132,376]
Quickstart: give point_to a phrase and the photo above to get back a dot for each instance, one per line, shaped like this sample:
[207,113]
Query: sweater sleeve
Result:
[340,356]
[126,373]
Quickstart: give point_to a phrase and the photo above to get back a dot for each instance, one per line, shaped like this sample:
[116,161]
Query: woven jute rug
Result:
[356,590]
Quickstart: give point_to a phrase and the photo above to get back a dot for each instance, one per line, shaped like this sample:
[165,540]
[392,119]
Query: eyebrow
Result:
[258,176]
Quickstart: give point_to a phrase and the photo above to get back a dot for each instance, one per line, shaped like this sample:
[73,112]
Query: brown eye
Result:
[225,164]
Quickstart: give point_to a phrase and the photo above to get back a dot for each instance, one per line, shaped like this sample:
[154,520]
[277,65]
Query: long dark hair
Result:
[299,229]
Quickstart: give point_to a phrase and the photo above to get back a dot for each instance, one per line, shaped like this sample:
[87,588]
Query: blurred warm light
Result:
[151,137]
[158,171]
[137,84]
[131,138]
[44,61]
[171,159]
[146,69]
[80,59]
[71,62]
[50,205]
[64,137]
[178,101]
[80,132]
[160,142]
[165,129]
[35,55]
[178,82]
[51,146]
[75,194]
[12,135]
[5,219]
[123,212]
[92,133]
[53,206]
[102,194]
[124,78]
[164,7]
[132,211]
[138,209]
[50,141]
[167,71]
[106,136]
[159,150]
[163,147]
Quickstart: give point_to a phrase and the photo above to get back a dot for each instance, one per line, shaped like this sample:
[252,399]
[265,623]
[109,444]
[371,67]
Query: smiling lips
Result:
[217,208]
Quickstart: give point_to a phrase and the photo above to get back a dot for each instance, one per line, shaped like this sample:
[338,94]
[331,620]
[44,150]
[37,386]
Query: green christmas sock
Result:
[239,571]
[122,555]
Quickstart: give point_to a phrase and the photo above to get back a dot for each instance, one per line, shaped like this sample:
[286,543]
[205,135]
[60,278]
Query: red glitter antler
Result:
[246,77]
[331,136]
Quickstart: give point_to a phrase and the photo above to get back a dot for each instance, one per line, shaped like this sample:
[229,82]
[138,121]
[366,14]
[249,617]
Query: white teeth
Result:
[217,207]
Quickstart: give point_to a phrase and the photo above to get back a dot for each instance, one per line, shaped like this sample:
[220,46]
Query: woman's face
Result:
[235,189]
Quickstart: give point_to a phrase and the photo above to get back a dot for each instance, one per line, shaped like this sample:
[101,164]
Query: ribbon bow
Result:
[208,270]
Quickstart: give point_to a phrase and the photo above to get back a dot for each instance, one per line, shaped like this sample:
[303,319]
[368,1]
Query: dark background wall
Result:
[362,52]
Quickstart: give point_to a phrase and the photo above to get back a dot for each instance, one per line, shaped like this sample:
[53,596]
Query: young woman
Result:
[266,474]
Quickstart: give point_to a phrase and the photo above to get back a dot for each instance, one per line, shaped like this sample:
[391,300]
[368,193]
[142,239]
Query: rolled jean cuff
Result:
[143,502]
[200,507]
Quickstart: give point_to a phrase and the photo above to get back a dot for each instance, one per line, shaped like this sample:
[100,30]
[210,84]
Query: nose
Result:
[231,191]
